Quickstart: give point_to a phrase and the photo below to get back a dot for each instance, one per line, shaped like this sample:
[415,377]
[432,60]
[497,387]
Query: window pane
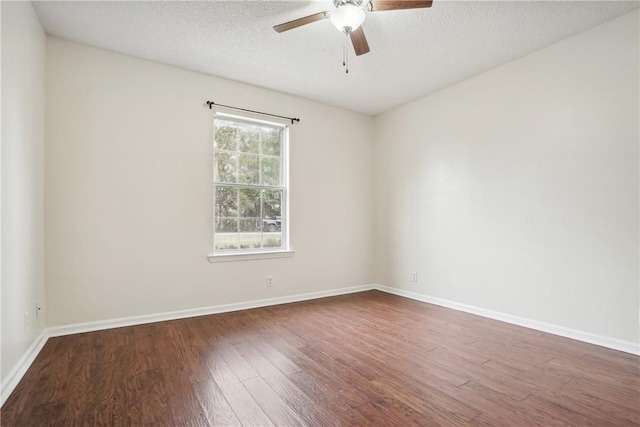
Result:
[227,225]
[226,202]
[271,141]
[250,240]
[226,135]
[249,169]
[226,234]
[249,139]
[272,204]
[272,240]
[249,225]
[250,203]
[226,240]
[250,234]
[271,171]
[225,167]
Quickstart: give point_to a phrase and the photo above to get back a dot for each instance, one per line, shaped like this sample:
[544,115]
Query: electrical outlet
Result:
[26,321]
[269,281]
[414,276]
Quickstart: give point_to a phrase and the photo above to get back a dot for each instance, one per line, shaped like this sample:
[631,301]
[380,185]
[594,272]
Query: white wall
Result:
[517,190]
[129,194]
[23,80]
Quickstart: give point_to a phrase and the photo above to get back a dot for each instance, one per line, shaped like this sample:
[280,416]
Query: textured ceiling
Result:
[413,52]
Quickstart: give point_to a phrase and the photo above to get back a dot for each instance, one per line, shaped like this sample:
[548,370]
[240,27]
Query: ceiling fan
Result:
[349,15]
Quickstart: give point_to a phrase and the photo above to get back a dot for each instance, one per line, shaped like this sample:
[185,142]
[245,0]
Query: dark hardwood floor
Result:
[361,359]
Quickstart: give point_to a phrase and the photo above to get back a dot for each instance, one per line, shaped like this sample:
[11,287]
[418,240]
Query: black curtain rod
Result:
[293,119]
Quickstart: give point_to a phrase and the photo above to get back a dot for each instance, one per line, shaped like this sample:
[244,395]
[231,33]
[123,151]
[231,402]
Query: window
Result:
[250,186]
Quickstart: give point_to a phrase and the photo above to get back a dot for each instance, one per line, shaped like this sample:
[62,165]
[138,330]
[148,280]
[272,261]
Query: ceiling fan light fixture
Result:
[347,18]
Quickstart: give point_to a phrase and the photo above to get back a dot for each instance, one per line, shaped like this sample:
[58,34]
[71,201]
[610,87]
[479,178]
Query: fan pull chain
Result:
[346,52]
[344,55]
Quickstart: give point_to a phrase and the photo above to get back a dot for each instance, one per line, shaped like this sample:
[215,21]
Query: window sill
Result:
[247,256]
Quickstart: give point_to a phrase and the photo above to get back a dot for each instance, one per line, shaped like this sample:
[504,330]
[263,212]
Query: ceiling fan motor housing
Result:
[359,3]
[349,15]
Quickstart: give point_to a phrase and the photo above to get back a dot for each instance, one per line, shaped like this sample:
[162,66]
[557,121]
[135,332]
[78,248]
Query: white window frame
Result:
[263,253]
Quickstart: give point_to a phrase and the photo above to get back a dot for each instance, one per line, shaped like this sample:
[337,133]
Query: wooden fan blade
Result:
[359,41]
[301,21]
[382,5]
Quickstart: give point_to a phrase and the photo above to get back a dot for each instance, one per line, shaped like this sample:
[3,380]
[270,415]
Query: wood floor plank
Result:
[324,375]
[614,393]
[235,361]
[245,407]
[124,372]
[593,401]
[528,373]
[50,361]
[237,328]
[614,359]
[461,351]
[75,385]
[478,373]
[150,403]
[362,359]
[186,410]
[276,358]
[357,383]
[422,367]
[596,412]
[330,398]
[491,404]
[189,350]
[146,339]
[367,368]
[53,413]
[427,399]
[215,406]
[274,320]
[501,409]
[383,414]
[305,408]
[597,372]
[271,403]
[561,412]
[101,407]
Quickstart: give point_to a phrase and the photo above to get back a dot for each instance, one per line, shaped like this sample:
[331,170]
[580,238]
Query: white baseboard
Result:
[18,371]
[612,343]
[194,312]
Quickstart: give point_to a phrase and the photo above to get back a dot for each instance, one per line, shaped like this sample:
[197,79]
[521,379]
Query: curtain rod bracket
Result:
[293,119]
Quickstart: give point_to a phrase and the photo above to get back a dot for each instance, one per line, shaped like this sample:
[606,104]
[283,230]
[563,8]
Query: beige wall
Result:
[23,80]
[517,190]
[129,195]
